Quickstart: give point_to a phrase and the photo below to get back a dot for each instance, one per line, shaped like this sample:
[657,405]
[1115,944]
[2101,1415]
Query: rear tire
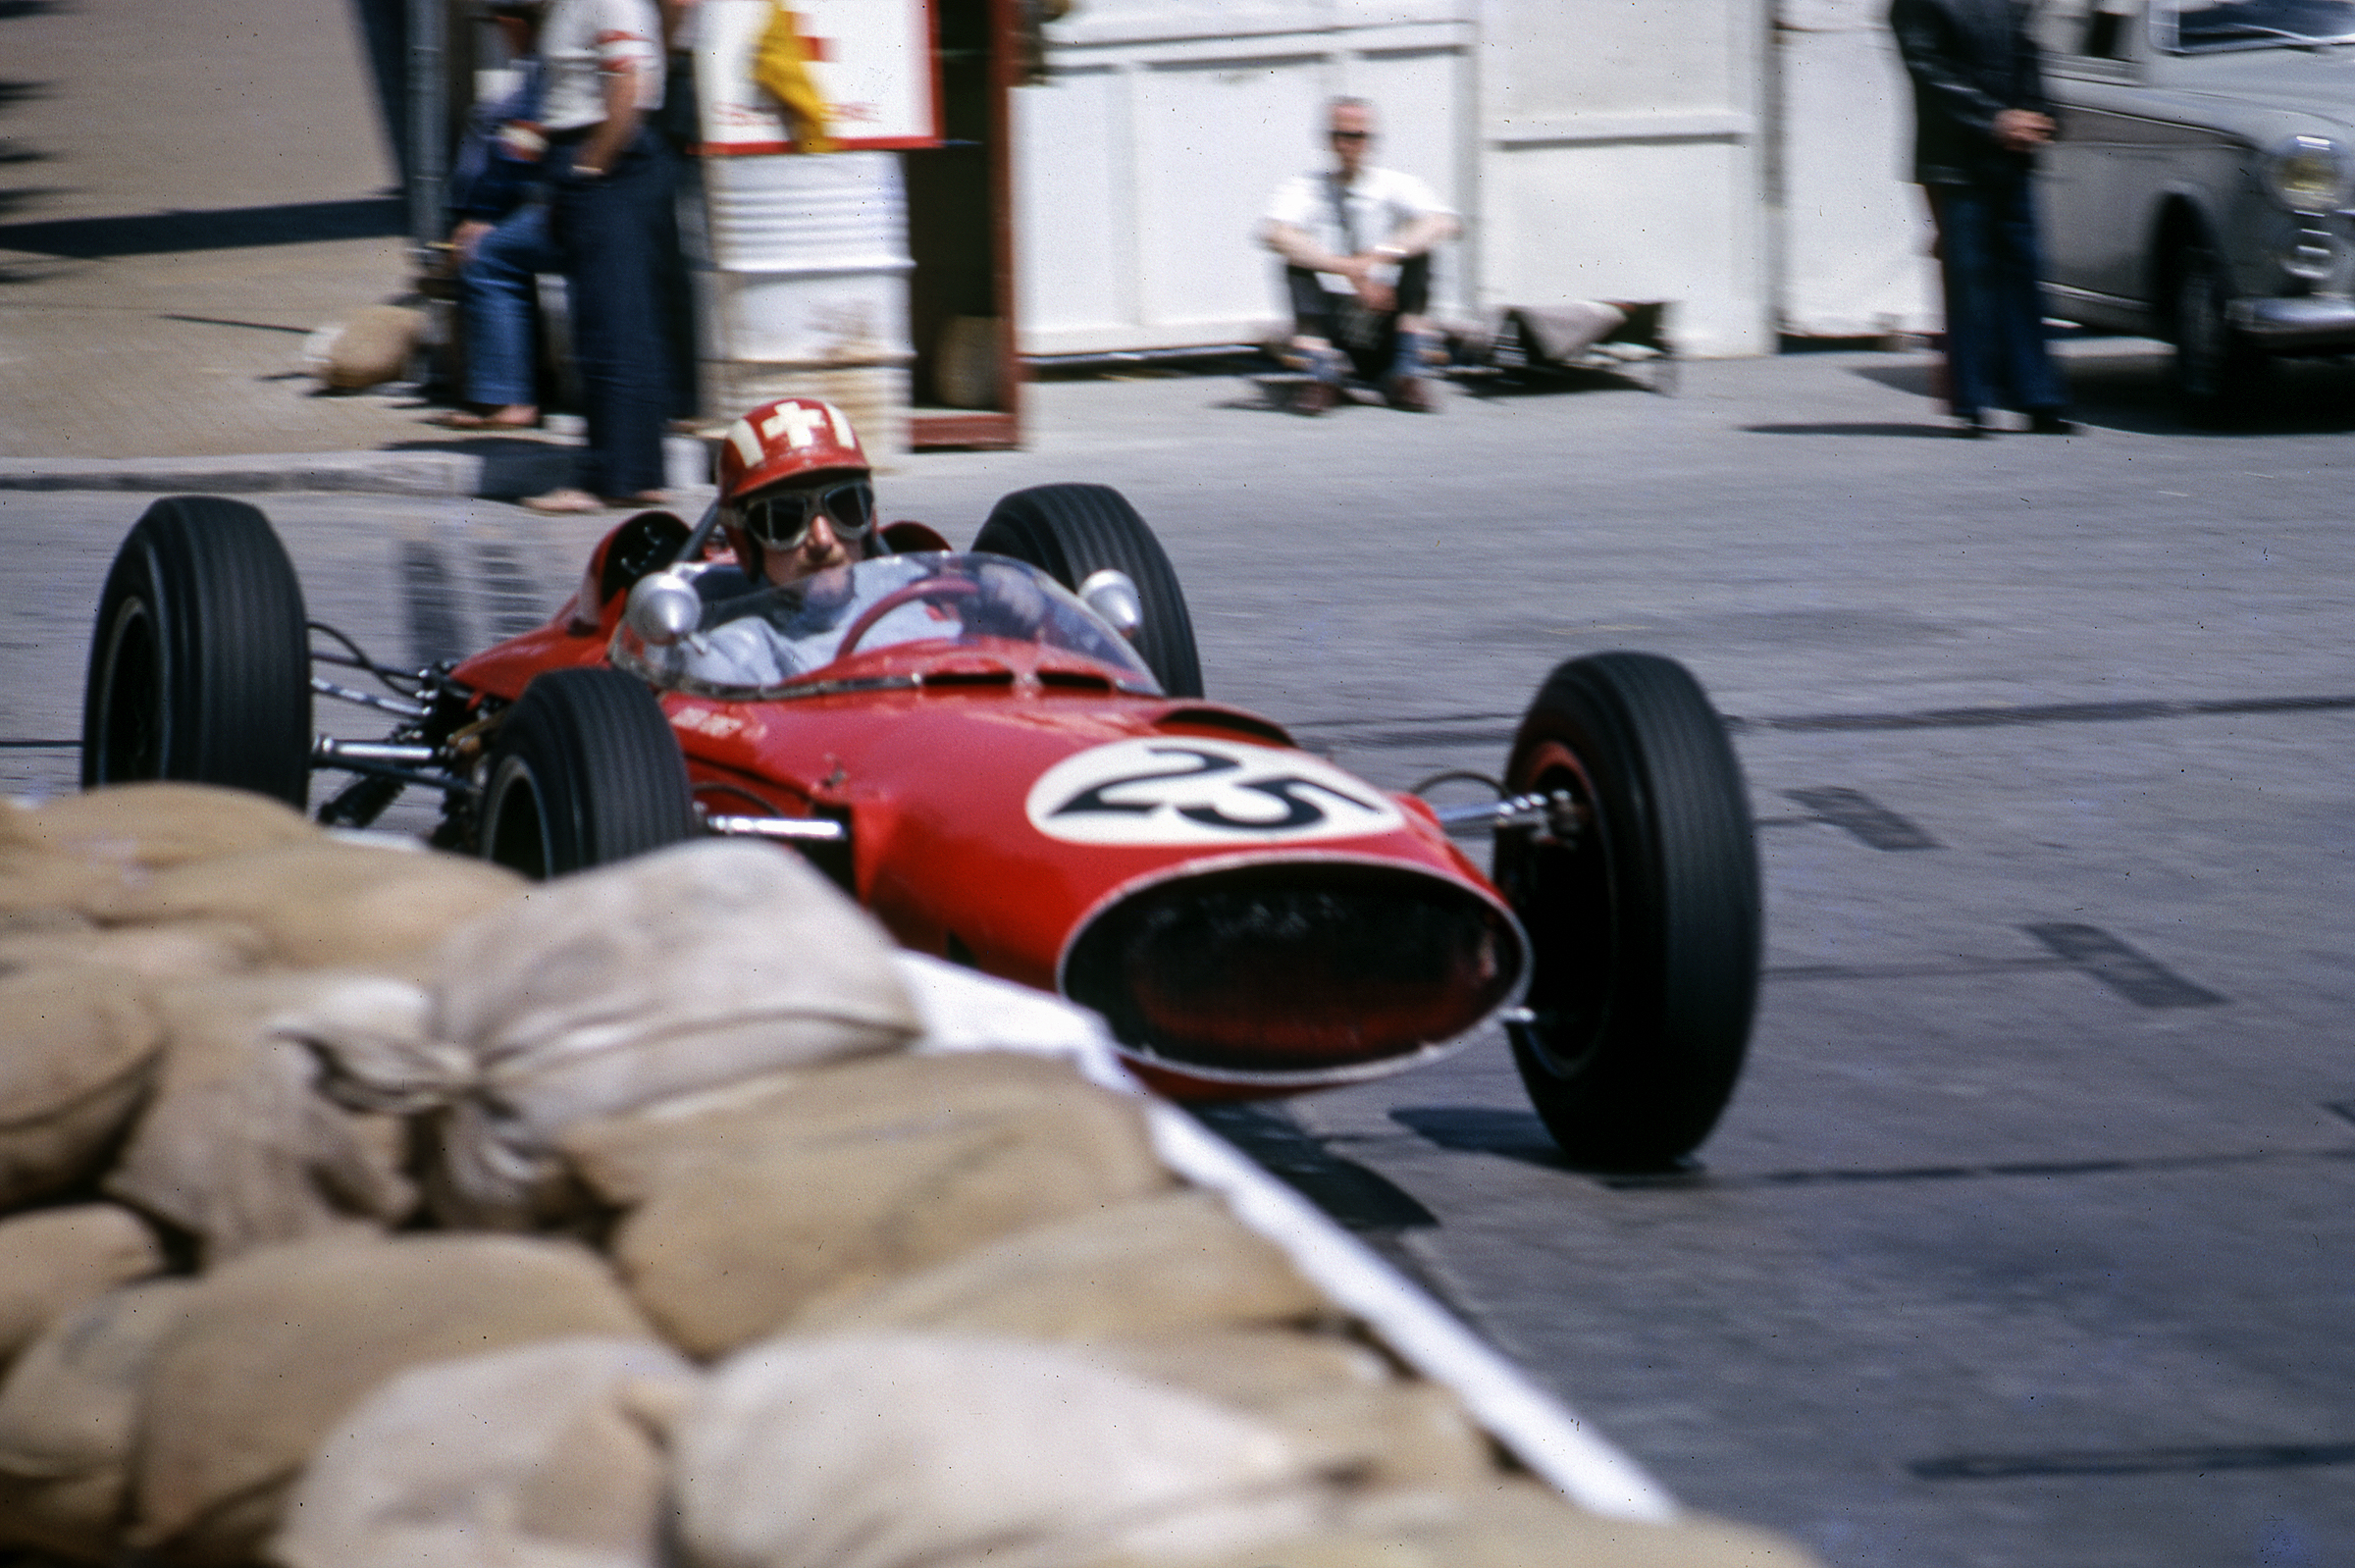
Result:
[1069,531]
[200,662]
[585,772]
[1644,924]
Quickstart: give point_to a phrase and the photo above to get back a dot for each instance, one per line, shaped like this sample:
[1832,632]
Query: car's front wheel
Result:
[585,772]
[1072,531]
[1641,900]
[2216,368]
[200,663]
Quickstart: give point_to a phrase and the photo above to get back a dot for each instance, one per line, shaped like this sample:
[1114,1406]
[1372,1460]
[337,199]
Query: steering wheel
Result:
[932,590]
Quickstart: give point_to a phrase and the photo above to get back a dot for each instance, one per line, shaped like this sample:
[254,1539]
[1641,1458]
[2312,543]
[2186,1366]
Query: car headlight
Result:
[2310,173]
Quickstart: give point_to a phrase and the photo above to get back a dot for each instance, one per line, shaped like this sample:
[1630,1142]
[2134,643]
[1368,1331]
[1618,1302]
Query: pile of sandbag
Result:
[368,1208]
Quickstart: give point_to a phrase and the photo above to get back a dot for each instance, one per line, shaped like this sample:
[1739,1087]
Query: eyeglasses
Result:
[1352,135]
[782,521]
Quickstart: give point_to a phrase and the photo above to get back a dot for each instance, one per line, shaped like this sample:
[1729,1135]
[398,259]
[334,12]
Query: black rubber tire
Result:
[1644,926]
[584,771]
[1071,530]
[2216,370]
[200,661]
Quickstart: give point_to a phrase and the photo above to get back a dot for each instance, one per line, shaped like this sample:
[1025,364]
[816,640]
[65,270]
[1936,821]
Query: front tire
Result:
[1069,531]
[1644,921]
[2215,369]
[585,772]
[200,662]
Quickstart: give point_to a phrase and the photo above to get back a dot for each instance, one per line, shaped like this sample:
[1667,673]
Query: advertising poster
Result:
[869,61]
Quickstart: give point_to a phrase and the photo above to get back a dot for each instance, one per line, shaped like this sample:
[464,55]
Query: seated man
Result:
[1356,244]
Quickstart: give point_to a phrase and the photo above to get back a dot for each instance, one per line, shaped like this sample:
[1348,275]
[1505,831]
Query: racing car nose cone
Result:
[1295,970]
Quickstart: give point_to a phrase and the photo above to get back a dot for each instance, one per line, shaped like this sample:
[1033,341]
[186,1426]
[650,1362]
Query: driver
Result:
[797,500]
[796,495]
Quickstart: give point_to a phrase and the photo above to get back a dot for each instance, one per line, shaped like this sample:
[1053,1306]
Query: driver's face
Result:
[821,551]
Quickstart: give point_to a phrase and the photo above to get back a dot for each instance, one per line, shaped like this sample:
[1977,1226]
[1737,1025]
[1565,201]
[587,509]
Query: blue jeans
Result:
[611,230]
[499,297]
[1994,349]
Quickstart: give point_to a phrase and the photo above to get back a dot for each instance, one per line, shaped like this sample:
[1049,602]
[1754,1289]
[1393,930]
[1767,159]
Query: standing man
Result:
[1356,247]
[610,174]
[1979,115]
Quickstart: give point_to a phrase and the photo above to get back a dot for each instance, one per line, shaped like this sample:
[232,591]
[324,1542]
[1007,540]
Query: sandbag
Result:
[371,348]
[727,1249]
[54,1260]
[674,972]
[68,1410]
[1332,1397]
[236,1146]
[323,903]
[187,951]
[76,1045]
[896,1450]
[34,878]
[624,1159]
[161,824]
[1252,1368]
[1157,1265]
[278,1345]
[525,1458]
[1510,1523]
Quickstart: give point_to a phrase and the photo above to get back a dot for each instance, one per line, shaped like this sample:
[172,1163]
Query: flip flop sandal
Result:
[564,503]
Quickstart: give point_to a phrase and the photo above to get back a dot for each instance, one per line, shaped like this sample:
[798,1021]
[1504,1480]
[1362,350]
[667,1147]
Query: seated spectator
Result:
[501,241]
[1356,245]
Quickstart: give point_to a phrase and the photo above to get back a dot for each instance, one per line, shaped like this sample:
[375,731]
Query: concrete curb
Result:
[489,476]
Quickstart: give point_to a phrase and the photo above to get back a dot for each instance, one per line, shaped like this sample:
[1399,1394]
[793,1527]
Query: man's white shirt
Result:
[1381,201]
[584,42]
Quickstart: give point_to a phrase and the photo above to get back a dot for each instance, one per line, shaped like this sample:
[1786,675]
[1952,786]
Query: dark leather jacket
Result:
[1969,59]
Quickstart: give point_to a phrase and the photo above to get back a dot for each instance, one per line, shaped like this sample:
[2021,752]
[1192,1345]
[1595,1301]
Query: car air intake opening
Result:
[1286,967]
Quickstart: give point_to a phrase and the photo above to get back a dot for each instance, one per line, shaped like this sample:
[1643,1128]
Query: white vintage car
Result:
[2201,184]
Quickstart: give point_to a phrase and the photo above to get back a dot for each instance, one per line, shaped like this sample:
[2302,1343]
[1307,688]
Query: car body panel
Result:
[1003,798]
[2158,149]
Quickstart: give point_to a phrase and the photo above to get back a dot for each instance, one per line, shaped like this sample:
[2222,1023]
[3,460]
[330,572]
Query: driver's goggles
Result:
[782,521]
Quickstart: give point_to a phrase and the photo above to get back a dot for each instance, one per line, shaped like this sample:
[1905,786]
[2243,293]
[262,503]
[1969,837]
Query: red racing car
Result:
[1006,755]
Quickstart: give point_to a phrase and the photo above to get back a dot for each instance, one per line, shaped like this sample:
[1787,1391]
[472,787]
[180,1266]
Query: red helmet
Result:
[787,438]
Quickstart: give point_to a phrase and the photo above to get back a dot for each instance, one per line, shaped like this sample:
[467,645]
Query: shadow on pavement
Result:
[2130,390]
[513,465]
[1476,1129]
[1360,1199]
[226,229]
[1866,427]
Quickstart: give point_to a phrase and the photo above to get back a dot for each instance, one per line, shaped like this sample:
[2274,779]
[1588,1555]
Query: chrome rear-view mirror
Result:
[663,608]
[1112,593]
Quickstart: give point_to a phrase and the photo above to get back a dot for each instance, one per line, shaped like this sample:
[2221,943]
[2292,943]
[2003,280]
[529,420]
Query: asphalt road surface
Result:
[2029,1238]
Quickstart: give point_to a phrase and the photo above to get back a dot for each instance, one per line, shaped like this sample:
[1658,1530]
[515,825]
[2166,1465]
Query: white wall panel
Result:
[1213,139]
[1077,218]
[1676,221]
[1424,102]
[1168,125]
[1855,235]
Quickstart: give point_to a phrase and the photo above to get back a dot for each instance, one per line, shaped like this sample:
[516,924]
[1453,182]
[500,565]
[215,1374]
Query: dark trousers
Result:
[1994,349]
[1370,338]
[611,232]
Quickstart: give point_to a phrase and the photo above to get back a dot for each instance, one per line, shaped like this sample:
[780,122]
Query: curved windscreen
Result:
[2257,23]
[768,639]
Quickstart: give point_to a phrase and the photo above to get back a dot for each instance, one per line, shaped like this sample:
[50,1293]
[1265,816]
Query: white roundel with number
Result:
[1184,790]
